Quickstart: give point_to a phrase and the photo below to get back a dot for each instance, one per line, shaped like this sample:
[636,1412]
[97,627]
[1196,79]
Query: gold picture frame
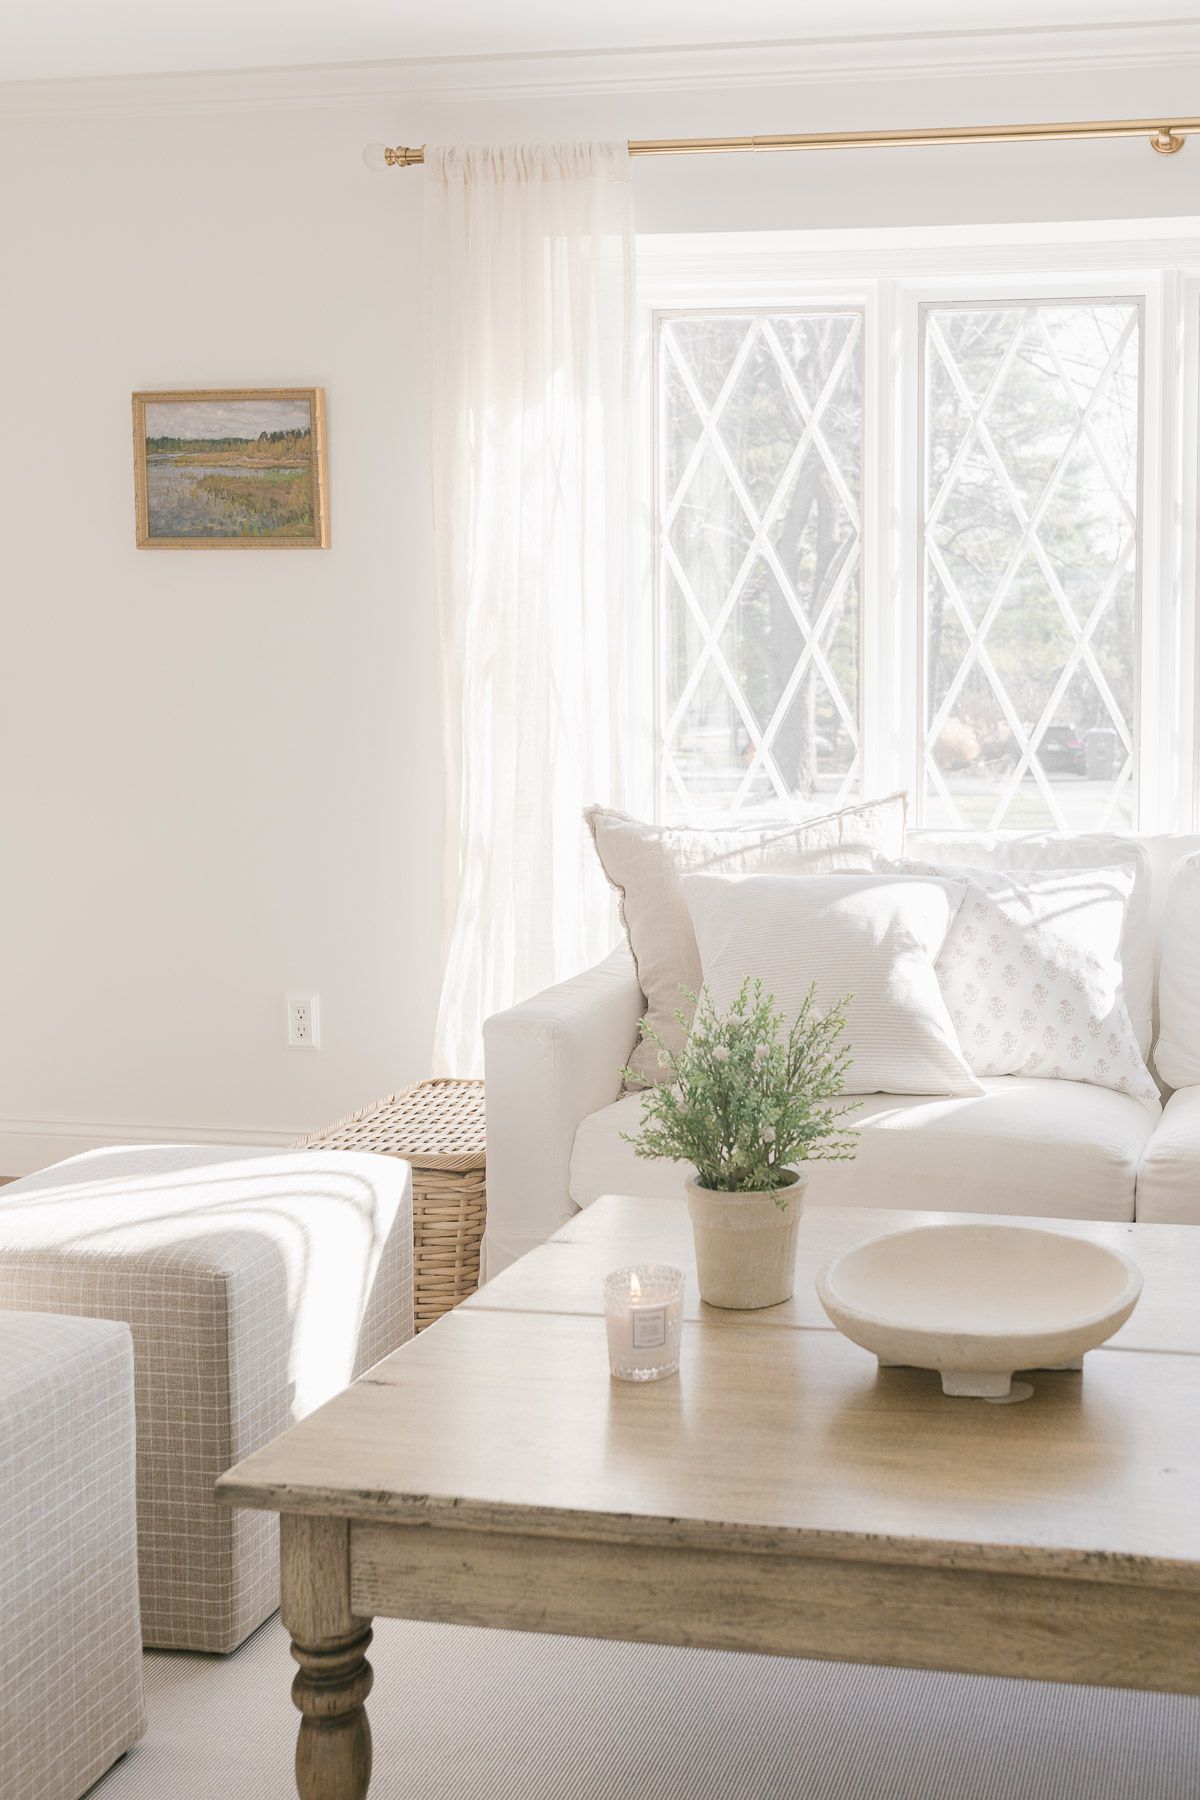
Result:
[230,469]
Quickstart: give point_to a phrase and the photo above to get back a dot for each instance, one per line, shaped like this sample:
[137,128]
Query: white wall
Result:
[219,772]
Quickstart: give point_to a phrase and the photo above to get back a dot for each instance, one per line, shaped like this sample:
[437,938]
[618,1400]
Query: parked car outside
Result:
[1061,751]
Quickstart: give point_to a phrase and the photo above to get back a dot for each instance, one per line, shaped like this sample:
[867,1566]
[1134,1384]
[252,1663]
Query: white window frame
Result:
[891,275]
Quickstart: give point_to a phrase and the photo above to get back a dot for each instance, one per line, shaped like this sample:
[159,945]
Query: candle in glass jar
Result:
[643,1310]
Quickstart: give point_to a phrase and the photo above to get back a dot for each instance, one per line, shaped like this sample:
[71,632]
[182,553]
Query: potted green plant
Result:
[746,1103]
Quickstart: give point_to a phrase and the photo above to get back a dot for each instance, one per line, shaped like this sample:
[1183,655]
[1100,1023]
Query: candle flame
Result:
[635,1286]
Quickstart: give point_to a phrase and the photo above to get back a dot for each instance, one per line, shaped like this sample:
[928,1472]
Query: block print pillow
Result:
[1032,979]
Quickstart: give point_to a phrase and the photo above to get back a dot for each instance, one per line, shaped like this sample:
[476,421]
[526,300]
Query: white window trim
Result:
[891,274]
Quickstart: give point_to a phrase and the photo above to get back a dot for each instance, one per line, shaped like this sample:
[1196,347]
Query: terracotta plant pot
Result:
[746,1244]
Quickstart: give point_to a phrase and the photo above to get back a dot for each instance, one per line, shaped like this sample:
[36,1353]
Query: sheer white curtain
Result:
[529,291]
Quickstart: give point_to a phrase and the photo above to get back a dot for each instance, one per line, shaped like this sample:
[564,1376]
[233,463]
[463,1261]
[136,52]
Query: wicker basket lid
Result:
[437,1124]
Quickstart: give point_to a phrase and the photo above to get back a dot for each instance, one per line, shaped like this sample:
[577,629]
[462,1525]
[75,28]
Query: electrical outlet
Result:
[303,1021]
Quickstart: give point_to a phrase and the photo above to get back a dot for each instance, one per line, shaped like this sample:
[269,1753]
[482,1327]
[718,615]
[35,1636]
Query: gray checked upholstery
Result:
[256,1285]
[70,1648]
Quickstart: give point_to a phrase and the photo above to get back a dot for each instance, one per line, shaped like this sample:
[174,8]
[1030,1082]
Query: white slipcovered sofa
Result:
[1026,1146]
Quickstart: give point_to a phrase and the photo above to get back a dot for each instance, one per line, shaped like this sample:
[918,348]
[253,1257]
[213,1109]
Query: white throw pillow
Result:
[1031,974]
[1047,850]
[875,937]
[646,863]
[1177,1053]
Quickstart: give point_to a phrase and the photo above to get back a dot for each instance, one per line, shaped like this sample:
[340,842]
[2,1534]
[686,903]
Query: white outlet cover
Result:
[302,1021]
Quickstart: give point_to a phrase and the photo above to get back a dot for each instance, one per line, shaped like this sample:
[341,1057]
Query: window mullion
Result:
[908,505]
[1155,724]
[1168,673]
[882,629]
[1187,483]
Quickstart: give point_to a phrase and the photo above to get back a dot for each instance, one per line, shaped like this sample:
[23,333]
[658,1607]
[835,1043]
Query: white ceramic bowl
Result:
[977,1302]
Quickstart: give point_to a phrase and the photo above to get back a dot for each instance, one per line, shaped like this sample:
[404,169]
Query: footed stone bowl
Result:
[977,1302]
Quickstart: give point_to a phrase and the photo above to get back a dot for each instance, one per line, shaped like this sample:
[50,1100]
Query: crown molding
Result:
[901,57]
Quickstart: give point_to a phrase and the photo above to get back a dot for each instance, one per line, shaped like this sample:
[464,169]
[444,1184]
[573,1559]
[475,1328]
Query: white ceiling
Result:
[50,39]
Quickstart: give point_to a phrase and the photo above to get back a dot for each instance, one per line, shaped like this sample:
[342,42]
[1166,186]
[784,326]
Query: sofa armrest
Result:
[548,1063]
[1168,1183]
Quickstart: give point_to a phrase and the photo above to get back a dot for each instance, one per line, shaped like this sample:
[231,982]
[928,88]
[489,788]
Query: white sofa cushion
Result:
[646,864]
[1055,1149]
[1091,850]
[1168,1184]
[1031,974]
[1177,1052]
[869,939]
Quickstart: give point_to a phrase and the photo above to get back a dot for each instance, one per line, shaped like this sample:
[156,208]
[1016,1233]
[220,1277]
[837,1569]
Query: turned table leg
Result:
[333,1751]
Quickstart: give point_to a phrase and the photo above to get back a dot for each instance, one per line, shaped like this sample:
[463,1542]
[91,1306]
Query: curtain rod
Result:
[1165,135]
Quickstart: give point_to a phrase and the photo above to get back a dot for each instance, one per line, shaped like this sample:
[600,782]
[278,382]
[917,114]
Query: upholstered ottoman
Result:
[256,1284]
[70,1647]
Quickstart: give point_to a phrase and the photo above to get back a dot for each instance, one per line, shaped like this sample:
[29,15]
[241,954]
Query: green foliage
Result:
[745,1101]
[161,446]
[274,503]
[282,448]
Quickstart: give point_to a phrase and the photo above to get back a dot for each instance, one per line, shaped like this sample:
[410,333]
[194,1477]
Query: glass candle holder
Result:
[643,1309]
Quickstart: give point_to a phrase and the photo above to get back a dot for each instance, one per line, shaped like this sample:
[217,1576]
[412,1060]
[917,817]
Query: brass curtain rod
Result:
[1165,135]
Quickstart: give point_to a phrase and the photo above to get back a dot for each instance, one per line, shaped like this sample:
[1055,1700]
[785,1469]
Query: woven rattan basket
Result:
[438,1127]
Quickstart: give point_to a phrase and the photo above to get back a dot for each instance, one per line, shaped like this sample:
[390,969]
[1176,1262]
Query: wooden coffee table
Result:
[782,1494]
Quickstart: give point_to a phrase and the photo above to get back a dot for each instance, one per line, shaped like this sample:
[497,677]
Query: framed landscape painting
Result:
[231,469]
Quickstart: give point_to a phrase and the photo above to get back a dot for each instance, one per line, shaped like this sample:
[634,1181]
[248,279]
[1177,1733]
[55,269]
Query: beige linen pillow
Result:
[873,938]
[646,865]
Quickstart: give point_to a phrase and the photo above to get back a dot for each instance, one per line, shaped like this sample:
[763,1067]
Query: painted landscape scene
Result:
[225,468]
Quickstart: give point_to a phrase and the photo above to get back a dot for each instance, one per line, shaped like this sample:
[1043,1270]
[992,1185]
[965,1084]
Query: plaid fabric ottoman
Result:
[256,1285]
[70,1649]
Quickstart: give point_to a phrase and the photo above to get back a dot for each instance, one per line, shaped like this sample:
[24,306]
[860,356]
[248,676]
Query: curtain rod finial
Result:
[382,156]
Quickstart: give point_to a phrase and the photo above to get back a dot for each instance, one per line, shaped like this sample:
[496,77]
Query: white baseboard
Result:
[29,1144]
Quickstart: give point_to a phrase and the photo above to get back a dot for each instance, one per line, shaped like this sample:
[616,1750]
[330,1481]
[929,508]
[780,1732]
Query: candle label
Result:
[648,1327]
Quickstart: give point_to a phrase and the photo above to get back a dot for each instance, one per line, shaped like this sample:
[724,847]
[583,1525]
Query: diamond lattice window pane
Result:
[707,535]
[760,533]
[1031,487]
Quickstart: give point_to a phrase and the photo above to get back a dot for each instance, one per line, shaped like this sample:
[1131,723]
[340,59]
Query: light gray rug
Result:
[473,1715]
